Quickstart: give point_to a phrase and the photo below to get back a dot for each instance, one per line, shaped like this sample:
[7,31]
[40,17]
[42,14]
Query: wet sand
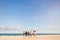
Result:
[40,37]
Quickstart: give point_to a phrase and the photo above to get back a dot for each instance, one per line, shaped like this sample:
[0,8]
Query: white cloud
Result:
[10,29]
[49,29]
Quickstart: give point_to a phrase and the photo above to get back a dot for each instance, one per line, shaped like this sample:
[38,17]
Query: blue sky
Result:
[40,15]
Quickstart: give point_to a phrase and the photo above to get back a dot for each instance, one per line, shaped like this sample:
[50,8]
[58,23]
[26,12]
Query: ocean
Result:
[20,34]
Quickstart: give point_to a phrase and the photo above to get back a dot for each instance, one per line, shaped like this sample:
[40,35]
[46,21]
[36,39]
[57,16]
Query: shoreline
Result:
[37,37]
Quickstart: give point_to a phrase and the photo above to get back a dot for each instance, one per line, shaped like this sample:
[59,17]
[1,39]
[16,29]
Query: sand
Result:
[40,37]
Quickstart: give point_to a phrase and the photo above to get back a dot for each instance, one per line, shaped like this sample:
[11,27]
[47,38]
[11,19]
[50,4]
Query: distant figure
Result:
[34,32]
[27,33]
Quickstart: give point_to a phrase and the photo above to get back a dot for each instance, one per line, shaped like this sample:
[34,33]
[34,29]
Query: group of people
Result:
[27,33]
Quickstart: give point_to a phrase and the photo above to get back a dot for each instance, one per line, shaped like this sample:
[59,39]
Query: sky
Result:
[20,15]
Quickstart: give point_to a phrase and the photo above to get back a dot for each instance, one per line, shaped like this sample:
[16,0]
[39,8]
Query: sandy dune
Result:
[41,37]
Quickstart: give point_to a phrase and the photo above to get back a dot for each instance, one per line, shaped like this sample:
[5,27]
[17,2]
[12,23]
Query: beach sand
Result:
[40,37]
